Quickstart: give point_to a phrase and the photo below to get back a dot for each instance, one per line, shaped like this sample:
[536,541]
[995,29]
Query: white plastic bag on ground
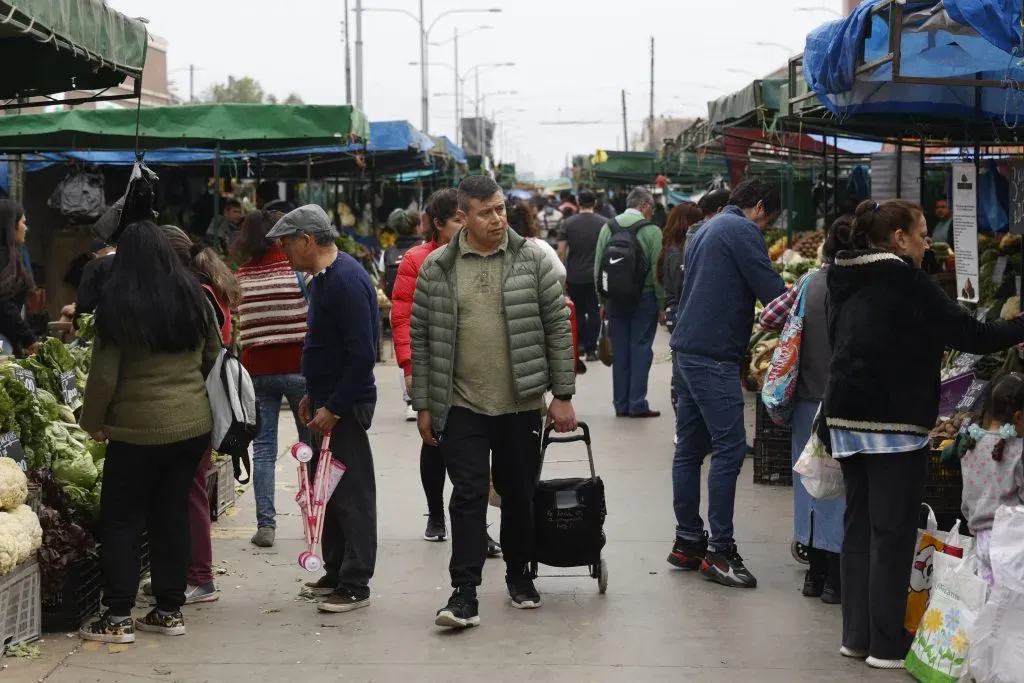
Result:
[1006,549]
[819,473]
[997,639]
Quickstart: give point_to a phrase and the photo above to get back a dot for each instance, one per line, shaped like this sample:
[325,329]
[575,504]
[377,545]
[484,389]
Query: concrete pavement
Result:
[654,624]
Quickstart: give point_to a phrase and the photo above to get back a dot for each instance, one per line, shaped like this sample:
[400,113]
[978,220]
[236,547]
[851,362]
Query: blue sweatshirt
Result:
[341,343]
[727,267]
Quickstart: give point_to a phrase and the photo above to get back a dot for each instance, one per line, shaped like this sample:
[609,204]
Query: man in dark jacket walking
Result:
[338,359]
[726,269]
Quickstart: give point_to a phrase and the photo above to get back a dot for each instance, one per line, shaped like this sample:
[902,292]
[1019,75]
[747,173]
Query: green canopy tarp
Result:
[760,98]
[55,46]
[237,127]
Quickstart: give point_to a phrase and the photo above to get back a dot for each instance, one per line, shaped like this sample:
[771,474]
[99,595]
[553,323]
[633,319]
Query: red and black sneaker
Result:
[726,567]
[688,554]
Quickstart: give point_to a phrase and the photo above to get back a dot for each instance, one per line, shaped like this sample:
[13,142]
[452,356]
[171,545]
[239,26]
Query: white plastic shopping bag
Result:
[923,573]
[997,639]
[1006,549]
[819,472]
[940,650]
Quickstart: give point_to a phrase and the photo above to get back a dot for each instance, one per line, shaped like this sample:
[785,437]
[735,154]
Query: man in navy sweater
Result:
[727,268]
[338,361]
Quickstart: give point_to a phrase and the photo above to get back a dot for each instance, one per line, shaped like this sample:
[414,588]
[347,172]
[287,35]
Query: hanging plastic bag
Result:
[930,542]
[135,205]
[779,391]
[819,472]
[80,197]
[997,639]
[941,646]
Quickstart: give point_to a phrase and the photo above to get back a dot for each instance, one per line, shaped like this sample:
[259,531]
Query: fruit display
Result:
[762,345]
[807,244]
[946,429]
[777,248]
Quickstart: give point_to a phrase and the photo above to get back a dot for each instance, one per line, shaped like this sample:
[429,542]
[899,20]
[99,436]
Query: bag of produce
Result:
[819,472]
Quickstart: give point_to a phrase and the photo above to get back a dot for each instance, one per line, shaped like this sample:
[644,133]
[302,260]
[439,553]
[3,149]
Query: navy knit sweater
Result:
[341,345]
[727,267]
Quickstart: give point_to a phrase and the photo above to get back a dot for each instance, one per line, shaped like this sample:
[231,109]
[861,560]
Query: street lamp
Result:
[460,83]
[424,41]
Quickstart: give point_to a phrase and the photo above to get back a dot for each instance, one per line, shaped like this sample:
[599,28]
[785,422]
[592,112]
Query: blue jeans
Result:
[632,334]
[270,389]
[709,417]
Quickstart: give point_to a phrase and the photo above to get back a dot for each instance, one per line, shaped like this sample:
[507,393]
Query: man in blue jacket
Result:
[727,268]
[338,359]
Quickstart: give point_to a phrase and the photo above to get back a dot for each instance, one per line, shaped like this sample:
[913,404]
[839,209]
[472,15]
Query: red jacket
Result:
[401,301]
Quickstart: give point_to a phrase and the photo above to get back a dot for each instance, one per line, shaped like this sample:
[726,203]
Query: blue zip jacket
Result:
[726,267]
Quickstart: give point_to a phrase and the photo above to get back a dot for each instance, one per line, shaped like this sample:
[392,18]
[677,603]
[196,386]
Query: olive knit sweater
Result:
[149,399]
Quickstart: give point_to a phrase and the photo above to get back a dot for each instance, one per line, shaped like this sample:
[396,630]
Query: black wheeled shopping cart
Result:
[569,515]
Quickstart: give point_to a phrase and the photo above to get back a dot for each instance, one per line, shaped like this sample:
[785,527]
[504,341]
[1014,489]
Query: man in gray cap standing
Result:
[338,361]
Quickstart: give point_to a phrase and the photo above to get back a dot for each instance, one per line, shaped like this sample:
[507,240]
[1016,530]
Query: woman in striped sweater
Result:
[273,327]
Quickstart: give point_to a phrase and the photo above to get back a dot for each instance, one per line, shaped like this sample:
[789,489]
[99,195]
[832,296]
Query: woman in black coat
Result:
[888,325]
[15,281]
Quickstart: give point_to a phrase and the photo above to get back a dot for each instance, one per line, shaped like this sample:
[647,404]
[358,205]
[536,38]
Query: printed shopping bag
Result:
[939,653]
[780,382]
[929,542]
[819,472]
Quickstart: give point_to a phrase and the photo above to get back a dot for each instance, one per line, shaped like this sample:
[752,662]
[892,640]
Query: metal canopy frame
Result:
[48,99]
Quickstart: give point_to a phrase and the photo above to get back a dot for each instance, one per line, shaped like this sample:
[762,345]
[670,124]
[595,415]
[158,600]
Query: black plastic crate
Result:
[212,481]
[943,490]
[78,598]
[773,462]
[764,428]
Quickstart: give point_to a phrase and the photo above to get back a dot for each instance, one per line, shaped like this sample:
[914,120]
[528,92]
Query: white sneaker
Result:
[876,663]
[853,654]
[410,414]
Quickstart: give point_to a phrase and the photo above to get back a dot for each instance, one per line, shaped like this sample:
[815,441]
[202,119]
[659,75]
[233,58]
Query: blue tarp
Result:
[983,47]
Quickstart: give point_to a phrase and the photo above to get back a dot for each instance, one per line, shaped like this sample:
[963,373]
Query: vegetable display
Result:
[20,532]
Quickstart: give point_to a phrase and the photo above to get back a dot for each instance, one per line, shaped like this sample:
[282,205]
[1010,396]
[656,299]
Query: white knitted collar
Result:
[865,259]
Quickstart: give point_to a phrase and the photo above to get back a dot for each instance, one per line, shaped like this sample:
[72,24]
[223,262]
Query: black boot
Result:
[817,571]
[832,594]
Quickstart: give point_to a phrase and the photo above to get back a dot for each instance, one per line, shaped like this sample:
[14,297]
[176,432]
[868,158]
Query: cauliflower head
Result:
[30,526]
[13,484]
[15,541]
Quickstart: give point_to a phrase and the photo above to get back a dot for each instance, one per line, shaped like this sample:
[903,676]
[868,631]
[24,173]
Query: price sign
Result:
[974,397]
[68,389]
[26,377]
[10,447]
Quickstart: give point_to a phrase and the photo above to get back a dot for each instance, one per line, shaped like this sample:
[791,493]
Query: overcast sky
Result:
[572,58]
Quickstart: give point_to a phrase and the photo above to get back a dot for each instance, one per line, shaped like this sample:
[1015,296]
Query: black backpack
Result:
[392,259]
[624,267]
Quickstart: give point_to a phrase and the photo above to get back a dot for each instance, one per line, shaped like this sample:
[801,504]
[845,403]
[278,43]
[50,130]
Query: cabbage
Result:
[98,450]
[77,471]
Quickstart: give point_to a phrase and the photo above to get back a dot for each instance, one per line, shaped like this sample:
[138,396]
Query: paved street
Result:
[654,624]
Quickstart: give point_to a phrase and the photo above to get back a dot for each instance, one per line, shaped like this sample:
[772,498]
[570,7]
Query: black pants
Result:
[514,439]
[432,477]
[350,522]
[588,314]
[146,488]
[883,499]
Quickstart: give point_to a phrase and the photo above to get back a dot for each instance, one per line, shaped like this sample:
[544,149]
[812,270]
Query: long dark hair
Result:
[13,274]
[679,221]
[206,265]
[151,299]
[252,242]
[521,219]
[876,222]
[441,206]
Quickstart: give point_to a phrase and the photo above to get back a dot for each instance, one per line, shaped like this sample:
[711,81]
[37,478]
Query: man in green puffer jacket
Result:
[490,334]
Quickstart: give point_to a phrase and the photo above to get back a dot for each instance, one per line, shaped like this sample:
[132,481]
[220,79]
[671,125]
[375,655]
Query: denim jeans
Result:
[709,416]
[632,334]
[270,389]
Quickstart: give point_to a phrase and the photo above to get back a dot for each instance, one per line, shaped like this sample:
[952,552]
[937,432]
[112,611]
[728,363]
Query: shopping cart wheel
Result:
[602,579]
[799,552]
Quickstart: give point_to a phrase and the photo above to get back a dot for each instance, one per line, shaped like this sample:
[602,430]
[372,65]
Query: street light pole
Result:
[348,59]
[458,119]
[479,125]
[424,96]
[359,54]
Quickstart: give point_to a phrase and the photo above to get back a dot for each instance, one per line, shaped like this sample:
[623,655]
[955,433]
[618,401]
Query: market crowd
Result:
[497,305]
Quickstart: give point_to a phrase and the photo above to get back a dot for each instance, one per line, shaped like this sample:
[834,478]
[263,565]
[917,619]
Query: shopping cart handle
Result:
[571,438]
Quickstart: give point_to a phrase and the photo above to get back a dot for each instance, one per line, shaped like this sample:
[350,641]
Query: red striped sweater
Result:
[272,315]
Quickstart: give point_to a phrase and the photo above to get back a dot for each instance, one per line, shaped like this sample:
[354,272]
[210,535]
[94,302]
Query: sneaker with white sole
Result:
[104,629]
[323,586]
[198,594]
[172,624]
[852,653]
[462,610]
[436,530]
[343,601]
[410,414]
[876,663]
[522,591]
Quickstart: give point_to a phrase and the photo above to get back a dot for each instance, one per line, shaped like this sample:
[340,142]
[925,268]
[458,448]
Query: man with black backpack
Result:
[627,249]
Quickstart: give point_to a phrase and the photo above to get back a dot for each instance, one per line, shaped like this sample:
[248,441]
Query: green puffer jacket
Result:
[537,324]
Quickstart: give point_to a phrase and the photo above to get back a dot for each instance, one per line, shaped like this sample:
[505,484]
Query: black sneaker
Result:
[688,554]
[522,591]
[462,610]
[165,624]
[814,585]
[726,567]
[832,594]
[493,549]
[103,629]
[322,587]
[436,529]
[591,357]
[342,601]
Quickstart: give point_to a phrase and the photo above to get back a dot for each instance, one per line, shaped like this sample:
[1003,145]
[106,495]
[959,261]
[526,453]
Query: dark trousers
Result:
[432,478]
[469,439]
[883,499]
[350,522]
[200,568]
[146,487]
[588,313]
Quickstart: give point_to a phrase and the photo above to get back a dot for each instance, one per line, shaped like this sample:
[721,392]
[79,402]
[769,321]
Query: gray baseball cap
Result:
[305,220]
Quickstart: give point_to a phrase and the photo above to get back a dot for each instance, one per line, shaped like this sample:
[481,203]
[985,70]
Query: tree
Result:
[245,90]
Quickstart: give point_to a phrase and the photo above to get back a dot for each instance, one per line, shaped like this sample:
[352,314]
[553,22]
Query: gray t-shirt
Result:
[580,233]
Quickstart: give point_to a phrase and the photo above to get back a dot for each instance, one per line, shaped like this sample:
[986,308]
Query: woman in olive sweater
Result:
[156,341]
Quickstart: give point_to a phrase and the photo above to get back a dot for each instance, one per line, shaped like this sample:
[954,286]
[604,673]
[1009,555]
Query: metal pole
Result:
[216,193]
[458,121]
[424,97]
[650,144]
[625,127]
[191,83]
[348,60]
[359,54]
[479,132]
